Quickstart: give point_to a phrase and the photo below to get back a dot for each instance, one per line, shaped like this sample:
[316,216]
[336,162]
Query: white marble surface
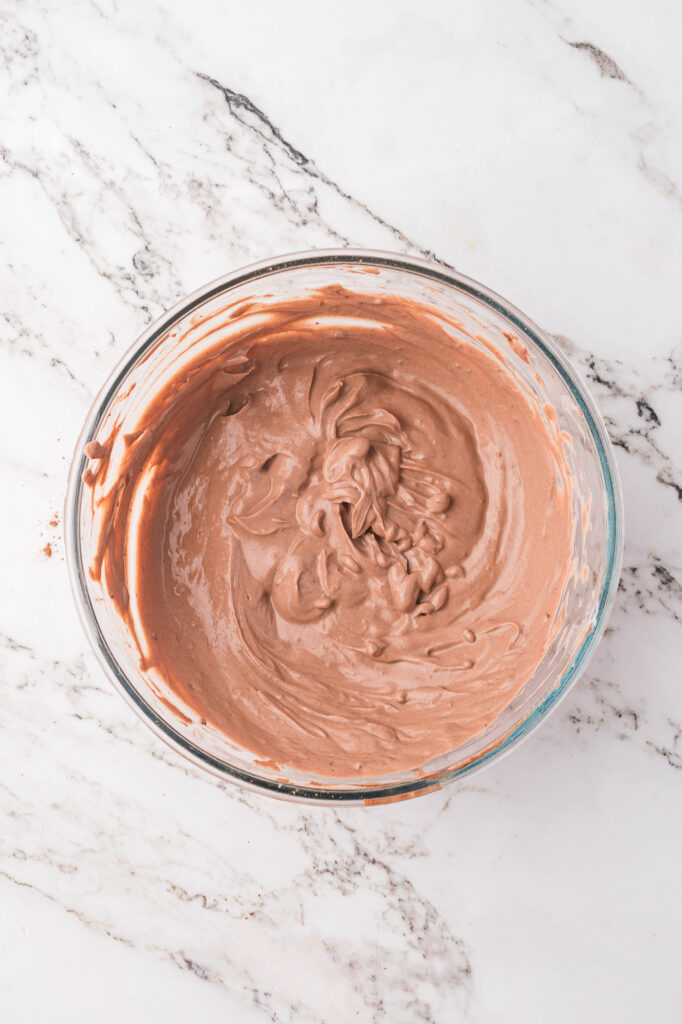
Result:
[147,148]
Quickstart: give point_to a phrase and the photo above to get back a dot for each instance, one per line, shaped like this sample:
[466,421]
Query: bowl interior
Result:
[487,321]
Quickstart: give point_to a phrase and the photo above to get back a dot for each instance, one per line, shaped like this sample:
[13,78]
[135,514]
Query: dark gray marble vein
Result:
[670,748]
[626,396]
[253,119]
[651,588]
[84,919]
[606,65]
[599,704]
[600,707]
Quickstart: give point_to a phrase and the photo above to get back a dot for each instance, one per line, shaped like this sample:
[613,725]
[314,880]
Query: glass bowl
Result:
[541,367]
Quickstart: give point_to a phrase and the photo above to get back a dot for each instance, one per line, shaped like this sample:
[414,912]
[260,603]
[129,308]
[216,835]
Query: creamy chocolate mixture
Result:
[341,538]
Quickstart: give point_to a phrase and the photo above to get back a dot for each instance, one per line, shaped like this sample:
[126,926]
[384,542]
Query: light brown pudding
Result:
[340,536]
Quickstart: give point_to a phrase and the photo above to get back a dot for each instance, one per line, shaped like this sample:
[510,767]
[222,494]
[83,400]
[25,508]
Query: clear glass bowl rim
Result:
[532,333]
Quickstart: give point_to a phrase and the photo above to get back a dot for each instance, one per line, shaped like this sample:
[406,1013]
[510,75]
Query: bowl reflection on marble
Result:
[597,517]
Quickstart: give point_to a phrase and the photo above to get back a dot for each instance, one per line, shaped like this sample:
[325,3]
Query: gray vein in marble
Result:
[606,65]
[626,399]
[600,705]
[652,588]
[33,345]
[83,918]
[645,133]
[253,119]
[121,280]
[671,750]
[660,180]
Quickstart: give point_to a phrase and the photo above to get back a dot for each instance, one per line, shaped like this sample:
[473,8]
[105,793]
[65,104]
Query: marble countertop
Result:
[145,149]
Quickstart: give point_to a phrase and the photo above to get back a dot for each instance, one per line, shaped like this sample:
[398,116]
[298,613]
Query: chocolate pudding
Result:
[340,535]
